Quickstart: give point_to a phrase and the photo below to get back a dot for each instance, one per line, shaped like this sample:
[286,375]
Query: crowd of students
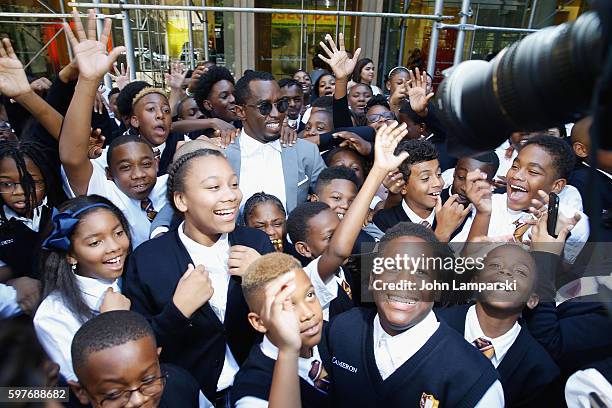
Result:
[213,246]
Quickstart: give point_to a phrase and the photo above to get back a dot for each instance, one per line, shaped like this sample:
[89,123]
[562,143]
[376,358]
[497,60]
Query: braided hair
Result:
[39,154]
[178,170]
[260,198]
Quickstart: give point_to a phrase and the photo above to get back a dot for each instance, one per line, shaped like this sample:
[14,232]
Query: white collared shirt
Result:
[391,352]
[271,351]
[504,162]
[32,223]
[130,207]
[584,382]
[326,291]
[214,258]
[415,218]
[8,301]
[56,325]
[501,344]
[103,163]
[261,169]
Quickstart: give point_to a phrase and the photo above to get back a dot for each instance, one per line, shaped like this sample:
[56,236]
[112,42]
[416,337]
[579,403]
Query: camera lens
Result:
[544,80]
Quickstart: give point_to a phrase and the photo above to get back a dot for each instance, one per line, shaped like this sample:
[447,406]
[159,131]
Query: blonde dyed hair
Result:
[265,269]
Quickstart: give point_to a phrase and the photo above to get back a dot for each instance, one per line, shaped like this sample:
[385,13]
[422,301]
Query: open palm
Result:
[339,60]
[91,55]
[13,80]
[387,139]
[417,91]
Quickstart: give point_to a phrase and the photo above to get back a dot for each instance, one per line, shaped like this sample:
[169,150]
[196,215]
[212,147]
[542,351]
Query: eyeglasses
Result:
[378,116]
[149,389]
[265,107]
[8,187]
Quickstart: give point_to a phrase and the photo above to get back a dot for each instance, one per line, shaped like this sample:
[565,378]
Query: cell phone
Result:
[553,214]
[596,401]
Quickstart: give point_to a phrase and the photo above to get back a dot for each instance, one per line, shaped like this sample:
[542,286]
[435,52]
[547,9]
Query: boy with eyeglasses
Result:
[115,358]
[257,156]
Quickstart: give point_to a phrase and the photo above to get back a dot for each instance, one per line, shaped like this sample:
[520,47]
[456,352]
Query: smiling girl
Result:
[84,258]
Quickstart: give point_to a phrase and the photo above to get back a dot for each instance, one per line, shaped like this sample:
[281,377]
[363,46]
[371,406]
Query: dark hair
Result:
[57,272]
[297,223]
[420,151]
[397,70]
[561,154]
[377,100]
[325,102]
[335,173]
[127,95]
[113,91]
[107,330]
[205,84]
[179,106]
[42,157]
[121,140]
[178,170]
[361,84]
[315,86]
[328,114]
[242,90]
[356,75]
[260,198]
[22,362]
[288,83]
[490,159]
[406,109]
[304,71]
[329,156]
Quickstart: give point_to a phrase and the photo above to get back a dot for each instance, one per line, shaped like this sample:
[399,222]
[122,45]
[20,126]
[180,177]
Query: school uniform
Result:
[527,372]
[8,302]
[388,217]
[132,209]
[595,378]
[180,390]
[427,364]
[335,295]
[254,380]
[20,240]
[217,337]
[55,324]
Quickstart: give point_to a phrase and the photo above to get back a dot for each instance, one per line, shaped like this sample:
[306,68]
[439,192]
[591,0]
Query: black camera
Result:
[545,80]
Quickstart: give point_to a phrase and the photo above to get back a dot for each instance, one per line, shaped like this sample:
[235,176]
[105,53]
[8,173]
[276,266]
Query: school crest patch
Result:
[428,401]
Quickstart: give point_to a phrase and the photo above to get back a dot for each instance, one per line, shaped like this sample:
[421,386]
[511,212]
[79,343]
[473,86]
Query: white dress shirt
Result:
[8,301]
[415,218]
[504,163]
[391,352]
[261,168]
[326,291]
[131,208]
[271,351]
[56,325]
[501,344]
[32,223]
[584,382]
[214,258]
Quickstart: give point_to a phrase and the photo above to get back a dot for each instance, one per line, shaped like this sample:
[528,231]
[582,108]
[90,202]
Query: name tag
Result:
[344,365]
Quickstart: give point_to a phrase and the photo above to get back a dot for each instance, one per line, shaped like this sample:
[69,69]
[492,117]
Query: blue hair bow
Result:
[63,224]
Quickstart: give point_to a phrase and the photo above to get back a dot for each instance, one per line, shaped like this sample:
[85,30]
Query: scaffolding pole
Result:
[57,15]
[205,30]
[472,27]
[190,28]
[438,17]
[433,41]
[464,13]
[127,42]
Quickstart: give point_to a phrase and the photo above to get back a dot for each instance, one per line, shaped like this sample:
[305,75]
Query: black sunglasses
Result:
[265,107]
[378,116]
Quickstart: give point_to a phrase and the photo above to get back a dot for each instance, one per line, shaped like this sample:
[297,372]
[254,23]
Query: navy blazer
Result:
[528,373]
[196,344]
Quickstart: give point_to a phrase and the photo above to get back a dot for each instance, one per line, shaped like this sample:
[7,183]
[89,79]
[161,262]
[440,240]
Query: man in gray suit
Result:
[257,156]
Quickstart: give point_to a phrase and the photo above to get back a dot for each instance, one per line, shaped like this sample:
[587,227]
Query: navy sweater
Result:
[447,367]
[528,373]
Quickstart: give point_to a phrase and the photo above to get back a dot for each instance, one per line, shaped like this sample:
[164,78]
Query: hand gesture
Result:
[176,77]
[394,182]
[449,216]
[339,60]
[195,75]
[114,301]
[387,138]
[13,80]
[99,101]
[541,240]
[417,92]
[354,141]
[288,134]
[397,97]
[96,144]
[121,78]
[479,191]
[193,290]
[240,258]
[40,85]
[278,315]
[91,55]
[28,293]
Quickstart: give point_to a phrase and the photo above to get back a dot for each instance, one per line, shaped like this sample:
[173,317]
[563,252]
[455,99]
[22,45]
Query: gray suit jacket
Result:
[302,164]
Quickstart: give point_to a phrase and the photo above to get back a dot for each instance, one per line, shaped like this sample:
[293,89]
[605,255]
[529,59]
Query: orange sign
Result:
[310,19]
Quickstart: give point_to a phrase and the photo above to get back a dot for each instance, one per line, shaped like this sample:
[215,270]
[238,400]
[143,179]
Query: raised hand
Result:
[176,77]
[449,217]
[541,240]
[394,182]
[478,191]
[195,75]
[354,141]
[91,55]
[240,258]
[277,313]
[96,144]
[338,59]
[387,138]
[121,78]
[13,80]
[417,92]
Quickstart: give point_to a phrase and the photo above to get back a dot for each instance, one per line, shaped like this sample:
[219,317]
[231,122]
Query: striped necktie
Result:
[319,377]
[147,207]
[485,346]
[426,224]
